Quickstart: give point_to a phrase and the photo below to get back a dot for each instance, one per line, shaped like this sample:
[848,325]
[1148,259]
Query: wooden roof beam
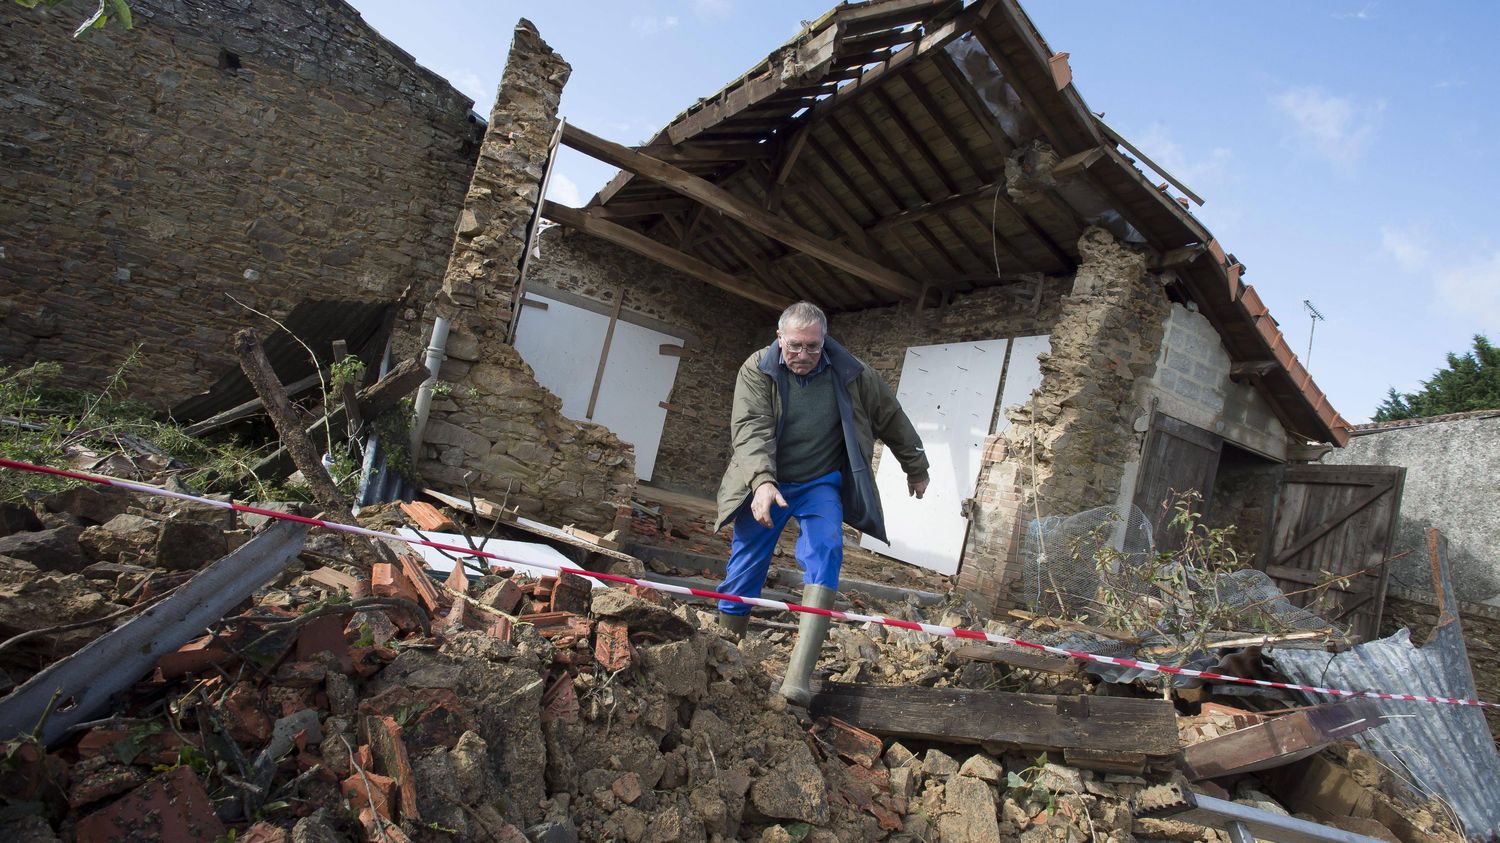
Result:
[581,220]
[709,154]
[739,210]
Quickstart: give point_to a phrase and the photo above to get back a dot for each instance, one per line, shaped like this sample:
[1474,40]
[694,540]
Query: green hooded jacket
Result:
[867,408]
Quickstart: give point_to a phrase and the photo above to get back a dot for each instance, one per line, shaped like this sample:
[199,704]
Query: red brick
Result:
[572,594]
[325,635]
[390,756]
[853,743]
[560,701]
[171,807]
[627,788]
[194,657]
[264,832]
[428,517]
[612,648]
[361,790]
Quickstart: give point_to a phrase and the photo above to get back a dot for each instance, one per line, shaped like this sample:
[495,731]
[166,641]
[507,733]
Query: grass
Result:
[45,424]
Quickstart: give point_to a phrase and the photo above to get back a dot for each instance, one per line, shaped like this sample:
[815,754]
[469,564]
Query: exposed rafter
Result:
[586,222]
[735,208]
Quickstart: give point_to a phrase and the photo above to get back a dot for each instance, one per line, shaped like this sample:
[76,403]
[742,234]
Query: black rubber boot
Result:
[814,628]
[738,624]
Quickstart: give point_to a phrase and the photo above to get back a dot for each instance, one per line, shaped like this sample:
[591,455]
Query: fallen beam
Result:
[714,197]
[1017,658]
[1278,741]
[79,687]
[1029,721]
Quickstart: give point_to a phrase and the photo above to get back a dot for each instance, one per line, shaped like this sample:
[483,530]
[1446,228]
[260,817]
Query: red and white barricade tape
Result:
[855,617]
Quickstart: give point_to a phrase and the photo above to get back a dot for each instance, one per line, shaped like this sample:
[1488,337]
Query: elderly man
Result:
[806,417]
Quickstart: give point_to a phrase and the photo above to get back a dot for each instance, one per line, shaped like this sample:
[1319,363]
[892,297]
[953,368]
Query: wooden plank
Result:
[738,209]
[1028,721]
[1305,540]
[1134,150]
[1178,457]
[251,407]
[647,208]
[1015,658]
[946,125]
[609,338]
[662,254]
[708,153]
[938,206]
[1278,741]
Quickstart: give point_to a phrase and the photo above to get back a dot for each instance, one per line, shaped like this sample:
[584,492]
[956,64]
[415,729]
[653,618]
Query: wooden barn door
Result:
[1338,519]
[1178,458]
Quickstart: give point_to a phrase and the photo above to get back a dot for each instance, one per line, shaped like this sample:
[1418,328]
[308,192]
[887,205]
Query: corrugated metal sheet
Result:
[316,323]
[1447,750]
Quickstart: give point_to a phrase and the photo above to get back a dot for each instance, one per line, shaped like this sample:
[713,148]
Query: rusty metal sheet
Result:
[1447,750]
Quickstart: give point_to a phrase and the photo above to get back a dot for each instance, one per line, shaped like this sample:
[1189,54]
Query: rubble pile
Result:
[382,705]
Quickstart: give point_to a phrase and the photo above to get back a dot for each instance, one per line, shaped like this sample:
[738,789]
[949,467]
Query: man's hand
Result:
[767,494]
[916,487]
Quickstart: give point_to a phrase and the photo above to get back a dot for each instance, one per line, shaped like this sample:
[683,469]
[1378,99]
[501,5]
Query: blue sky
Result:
[1348,151]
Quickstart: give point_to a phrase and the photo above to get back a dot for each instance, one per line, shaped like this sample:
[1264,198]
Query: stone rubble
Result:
[625,717]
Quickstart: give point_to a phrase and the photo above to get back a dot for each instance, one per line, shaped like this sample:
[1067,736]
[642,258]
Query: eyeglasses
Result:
[811,349]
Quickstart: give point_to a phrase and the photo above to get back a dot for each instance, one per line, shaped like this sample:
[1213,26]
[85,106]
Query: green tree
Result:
[1468,382]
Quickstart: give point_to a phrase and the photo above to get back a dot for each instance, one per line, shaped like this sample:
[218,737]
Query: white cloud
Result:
[714,10]
[1407,245]
[563,190]
[1362,14]
[649,25]
[1337,129]
[1473,291]
[1197,172]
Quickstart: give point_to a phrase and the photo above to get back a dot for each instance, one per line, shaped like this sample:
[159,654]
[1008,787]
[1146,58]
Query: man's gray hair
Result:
[803,314]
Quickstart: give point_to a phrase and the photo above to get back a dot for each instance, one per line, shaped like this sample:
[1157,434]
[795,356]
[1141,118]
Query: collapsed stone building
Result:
[1065,333]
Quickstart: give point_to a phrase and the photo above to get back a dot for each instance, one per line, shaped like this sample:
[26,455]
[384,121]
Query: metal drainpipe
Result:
[436,354]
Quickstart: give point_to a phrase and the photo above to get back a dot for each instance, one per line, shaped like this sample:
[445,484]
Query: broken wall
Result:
[1451,466]
[719,331]
[277,155]
[496,431]
[1067,449]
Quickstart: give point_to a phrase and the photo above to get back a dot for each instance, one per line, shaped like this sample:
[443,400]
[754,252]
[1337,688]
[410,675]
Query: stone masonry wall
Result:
[1067,449]
[278,151]
[721,330]
[499,431]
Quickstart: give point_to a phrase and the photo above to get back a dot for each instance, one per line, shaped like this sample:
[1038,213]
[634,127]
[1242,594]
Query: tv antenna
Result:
[1316,314]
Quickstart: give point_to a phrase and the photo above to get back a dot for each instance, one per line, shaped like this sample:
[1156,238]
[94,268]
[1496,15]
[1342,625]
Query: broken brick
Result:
[627,788]
[555,624]
[560,701]
[612,647]
[378,623]
[301,674]
[416,574]
[364,790]
[428,517]
[194,657]
[502,597]
[852,743]
[172,806]
[458,578]
[99,778]
[325,635]
[500,628]
[571,594]
[387,580]
[430,718]
[384,738]
[244,712]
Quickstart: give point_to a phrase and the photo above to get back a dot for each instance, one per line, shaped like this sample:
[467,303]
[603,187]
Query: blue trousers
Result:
[820,548]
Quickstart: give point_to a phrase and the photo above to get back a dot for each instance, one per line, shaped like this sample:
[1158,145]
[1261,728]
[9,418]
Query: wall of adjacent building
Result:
[275,153]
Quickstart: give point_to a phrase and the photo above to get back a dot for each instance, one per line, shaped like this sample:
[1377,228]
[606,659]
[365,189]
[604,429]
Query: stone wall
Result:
[1067,449]
[277,152]
[498,431]
[719,330]
[1451,466]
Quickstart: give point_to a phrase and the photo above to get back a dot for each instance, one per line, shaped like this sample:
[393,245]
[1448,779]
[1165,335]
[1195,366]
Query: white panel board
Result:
[1023,375]
[529,558]
[562,344]
[948,392]
[637,378]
